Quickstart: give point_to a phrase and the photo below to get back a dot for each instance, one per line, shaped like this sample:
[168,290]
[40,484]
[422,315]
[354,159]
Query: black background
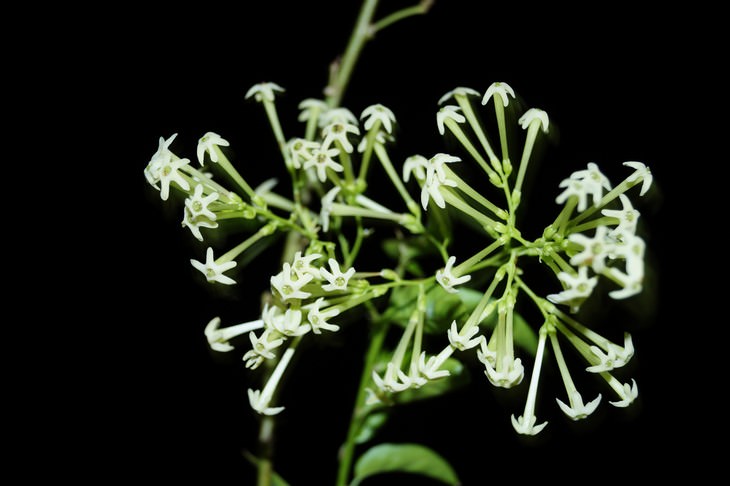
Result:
[165,408]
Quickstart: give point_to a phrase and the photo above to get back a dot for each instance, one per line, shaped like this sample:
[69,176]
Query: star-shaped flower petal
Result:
[503,90]
[289,285]
[448,112]
[446,278]
[260,403]
[577,410]
[510,375]
[264,91]
[416,165]
[378,112]
[337,280]
[578,288]
[338,131]
[390,382]
[628,393]
[642,172]
[460,91]
[526,426]
[198,205]
[318,319]
[462,343]
[213,271]
[535,114]
[628,217]
[207,143]
[322,160]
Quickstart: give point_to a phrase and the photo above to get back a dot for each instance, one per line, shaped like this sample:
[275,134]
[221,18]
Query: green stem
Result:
[348,448]
[360,35]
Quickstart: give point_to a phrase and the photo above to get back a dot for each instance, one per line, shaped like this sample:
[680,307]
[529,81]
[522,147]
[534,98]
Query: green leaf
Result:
[459,377]
[405,458]
[370,426]
[441,307]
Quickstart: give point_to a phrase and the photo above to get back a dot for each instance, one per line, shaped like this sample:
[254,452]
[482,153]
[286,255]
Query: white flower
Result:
[322,160]
[435,178]
[198,205]
[302,265]
[642,172]
[318,319]
[430,369]
[263,91]
[289,285]
[288,323]
[416,164]
[534,114]
[300,151]
[380,138]
[462,343]
[260,403]
[630,284]
[595,249]
[486,355]
[195,223]
[626,392]
[336,278]
[168,172]
[207,143]
[162,155]
[338,131]
[448,112]
[337,115]
[460,91]
[584,183]
[389,382]
[378,112]
[628,217]
[578,288]
[526,426]
[631,248]
[309,106]
[262,347]
[510,373]
[501,89]
[218,338]
[327,201]
[577,410]
[614,356]
[447,280]
[213,271]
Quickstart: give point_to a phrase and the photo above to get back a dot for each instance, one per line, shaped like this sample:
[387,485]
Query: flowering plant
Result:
[453,288]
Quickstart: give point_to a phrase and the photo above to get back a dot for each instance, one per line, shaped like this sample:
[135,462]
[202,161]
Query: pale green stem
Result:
[346,164]
[360,34]
[466,266]
[526,152]
[273,117]
[469,191]
[464,140]
[244,245]
[380,330]
[419,9]
[477,127]
[594,223]
[370,141]
[562,365]
[535,378]
[457,202]
[499,109]
[339,209]
[418,338]
[226,165]
[393,175]
[589,334]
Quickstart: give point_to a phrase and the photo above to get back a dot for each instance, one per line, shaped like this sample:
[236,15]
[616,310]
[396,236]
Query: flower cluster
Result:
[594,236]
